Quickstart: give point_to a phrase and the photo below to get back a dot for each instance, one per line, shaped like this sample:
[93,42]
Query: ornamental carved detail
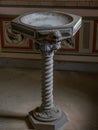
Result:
[49,43]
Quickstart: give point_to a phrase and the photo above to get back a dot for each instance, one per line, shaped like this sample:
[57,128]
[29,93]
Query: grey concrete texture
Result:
[76,93]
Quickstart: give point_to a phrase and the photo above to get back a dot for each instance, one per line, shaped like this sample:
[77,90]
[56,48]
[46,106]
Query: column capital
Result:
[48,43]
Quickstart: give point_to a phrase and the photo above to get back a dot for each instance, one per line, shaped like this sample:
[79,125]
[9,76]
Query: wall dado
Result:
[84,49]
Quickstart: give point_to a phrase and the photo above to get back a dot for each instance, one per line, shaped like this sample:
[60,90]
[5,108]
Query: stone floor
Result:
[75,92]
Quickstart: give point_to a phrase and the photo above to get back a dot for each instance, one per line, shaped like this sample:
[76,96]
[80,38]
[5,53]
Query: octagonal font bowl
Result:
[44,22]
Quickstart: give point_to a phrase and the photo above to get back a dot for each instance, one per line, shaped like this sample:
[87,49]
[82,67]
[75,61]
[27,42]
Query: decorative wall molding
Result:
[74,47]
[95,38]
[57,57]
[51,3]
[86,36]
[11,41]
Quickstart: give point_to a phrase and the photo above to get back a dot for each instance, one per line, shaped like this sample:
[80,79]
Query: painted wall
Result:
[85,48]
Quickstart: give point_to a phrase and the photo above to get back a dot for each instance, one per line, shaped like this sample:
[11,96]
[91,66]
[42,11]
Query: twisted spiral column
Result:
[47,110]
[47,82]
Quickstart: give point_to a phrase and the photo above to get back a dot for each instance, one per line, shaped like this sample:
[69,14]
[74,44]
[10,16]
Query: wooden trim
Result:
[18,11]
[51,3]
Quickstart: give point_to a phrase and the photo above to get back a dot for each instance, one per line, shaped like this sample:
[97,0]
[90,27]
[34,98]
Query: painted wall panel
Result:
[95,38]
[13,41]
[86,37]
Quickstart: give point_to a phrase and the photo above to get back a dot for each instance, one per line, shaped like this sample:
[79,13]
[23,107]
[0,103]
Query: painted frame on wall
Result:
[95,36]
[71,47]
[13,41]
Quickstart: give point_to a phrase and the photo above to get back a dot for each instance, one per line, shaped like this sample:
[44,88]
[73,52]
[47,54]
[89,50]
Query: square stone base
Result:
[52,125]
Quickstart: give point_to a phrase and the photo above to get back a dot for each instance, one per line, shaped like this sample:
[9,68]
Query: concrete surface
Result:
[75,92]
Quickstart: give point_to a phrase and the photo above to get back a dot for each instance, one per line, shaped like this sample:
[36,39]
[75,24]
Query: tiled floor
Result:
[76,93]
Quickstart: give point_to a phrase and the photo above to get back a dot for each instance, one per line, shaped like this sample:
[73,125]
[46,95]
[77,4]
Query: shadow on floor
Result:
[16,116]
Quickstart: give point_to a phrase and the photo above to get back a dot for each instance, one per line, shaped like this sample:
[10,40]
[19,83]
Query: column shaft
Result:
[47,82]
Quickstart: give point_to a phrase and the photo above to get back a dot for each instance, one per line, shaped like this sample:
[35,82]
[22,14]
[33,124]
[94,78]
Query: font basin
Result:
[44,22]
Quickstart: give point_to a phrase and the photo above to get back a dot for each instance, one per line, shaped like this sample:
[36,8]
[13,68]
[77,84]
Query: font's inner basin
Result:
[46,19]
